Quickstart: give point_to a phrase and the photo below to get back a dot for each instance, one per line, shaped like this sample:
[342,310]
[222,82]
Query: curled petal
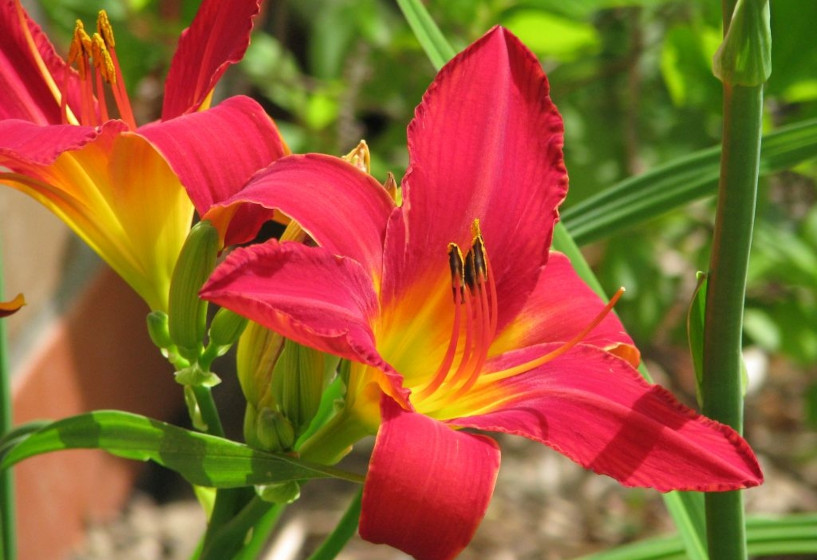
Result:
[10,307]
[428,486]
[327,197]
[215,152]
[217,38]
[597,410]
[306,294]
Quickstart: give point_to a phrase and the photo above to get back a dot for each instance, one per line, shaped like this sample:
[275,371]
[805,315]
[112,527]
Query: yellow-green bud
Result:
[274,431]
[298,381]
[745,56]
[158,329]
[187,313]
[281,493]
[258,349]
[226,327]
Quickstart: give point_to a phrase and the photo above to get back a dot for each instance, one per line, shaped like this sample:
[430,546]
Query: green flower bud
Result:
[273,431]
[258,350]
[187,313]
[226,327]
[158,329]
[745,56]
[282,493]
[298,381]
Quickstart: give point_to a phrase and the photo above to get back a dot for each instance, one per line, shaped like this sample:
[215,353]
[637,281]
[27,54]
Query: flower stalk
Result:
[721,389]
[7,526]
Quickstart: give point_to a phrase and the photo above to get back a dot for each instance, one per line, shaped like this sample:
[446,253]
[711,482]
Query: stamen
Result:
[457,290]
[360,157]
[563,349]
[104,71]
[485,321]
[80,53]
[115,78]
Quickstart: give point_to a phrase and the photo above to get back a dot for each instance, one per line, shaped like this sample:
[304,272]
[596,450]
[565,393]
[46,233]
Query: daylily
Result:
[456,314]
[127,190]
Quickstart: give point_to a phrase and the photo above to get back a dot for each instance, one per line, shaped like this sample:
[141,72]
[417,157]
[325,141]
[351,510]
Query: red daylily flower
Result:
[456,314]
[127,190]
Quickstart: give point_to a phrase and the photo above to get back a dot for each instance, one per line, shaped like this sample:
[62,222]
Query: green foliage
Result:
[201,459]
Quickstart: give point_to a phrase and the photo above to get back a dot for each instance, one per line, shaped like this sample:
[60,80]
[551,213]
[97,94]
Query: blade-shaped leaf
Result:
[434,43]
[201,459]
[679,182]
[793,534]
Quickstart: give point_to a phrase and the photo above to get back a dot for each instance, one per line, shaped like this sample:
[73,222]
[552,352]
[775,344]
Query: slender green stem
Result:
[344,531]
[209,412]
[721,389]
[229,501]
[229,539]
[8,544]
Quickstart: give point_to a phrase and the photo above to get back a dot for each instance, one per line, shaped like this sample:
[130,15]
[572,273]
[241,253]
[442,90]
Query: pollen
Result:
[103,27]
[102,59]
[81,46]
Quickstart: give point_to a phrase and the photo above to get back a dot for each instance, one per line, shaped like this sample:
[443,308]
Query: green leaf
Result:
[200,458]
[793,534]
[672,185]
[435,45]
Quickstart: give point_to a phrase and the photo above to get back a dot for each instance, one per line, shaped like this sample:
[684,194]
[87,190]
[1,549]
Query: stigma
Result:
[100,75]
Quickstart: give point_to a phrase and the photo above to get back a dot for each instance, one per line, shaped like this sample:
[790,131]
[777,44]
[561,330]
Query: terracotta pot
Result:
[96,356]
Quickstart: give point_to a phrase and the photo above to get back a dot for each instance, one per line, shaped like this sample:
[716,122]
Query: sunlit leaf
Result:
[677,183]
[201,459]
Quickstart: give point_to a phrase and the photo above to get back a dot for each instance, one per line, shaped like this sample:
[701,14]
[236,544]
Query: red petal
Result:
[486,143]
[217,38]
[308,295]
[215,152]
[22,141]
[24,91]
[10,307]
[597,410]
[327,197]
[559,307]
[305,293]
[428,486]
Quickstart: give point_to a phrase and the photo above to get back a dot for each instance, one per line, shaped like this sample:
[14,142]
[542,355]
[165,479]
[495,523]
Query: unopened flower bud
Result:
[273,431]
[298,381]
[187,313]
[226,327]
[158,329]
[281,493]
[258,349]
